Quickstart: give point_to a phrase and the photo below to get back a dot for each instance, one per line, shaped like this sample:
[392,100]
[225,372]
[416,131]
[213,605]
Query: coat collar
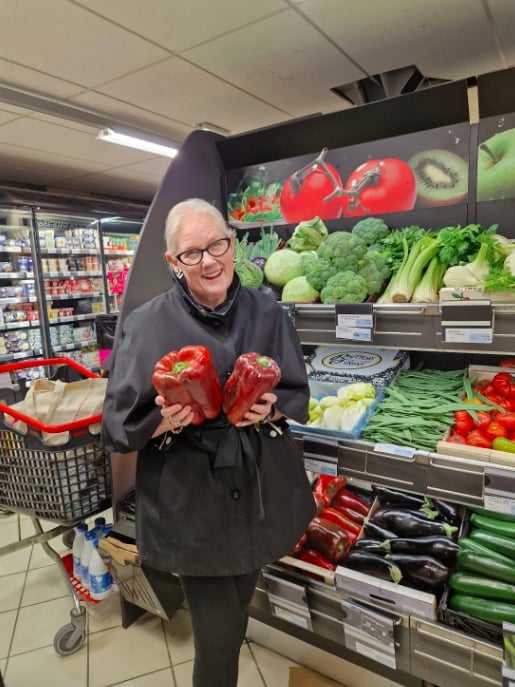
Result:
[220,313]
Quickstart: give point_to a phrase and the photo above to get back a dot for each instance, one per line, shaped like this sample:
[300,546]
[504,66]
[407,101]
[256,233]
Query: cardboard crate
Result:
[478,373]
[304,677]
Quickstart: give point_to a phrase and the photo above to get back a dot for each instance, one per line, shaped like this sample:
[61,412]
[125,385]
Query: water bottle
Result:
[78,544]
[99,576]
[87,550]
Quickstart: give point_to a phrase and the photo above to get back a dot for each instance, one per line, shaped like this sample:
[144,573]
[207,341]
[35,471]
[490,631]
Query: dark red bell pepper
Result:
[189,377]
[298,546]
[327,487]
[316,558]
[347,499]
[336,516]
[252,376]
[328,538]
[349,513]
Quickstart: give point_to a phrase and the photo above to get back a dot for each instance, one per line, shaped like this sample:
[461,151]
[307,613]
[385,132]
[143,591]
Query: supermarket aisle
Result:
[35,604]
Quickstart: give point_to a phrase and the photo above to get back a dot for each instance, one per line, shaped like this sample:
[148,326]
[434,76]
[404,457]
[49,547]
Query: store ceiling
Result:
[165,66]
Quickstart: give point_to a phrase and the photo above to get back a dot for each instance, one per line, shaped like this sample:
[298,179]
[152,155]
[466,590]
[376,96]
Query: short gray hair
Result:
[186,207]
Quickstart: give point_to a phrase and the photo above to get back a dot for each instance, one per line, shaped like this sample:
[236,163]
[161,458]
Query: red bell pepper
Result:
[349,513]
[336,516]
[327,487]
[298,546]
[328,538]
[252,376]
[316,558]
[347,499]
[189,377]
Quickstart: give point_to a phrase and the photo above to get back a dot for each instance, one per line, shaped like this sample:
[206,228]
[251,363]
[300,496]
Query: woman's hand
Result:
[175,417]
[261,410]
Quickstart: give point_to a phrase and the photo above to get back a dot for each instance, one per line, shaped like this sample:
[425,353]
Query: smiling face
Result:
[208,280]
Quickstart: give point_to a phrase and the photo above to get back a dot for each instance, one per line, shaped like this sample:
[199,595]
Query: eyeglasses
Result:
[216,249]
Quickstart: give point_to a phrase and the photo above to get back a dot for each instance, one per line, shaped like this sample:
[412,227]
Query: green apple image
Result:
[496,167]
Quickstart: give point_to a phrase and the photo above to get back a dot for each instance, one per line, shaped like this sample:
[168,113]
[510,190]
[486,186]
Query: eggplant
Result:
[424,571]
[408,523]
[375,531]
[369,563]
[378,515]
[450,512]
[440,547]
[370,545]
[392,497]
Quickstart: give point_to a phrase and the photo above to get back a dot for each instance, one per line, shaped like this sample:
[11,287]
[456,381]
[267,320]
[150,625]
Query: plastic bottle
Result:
[78,545]
[87,550]
[99,577]
[98,526]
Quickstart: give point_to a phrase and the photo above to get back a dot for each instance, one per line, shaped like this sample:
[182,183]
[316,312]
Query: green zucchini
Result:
[492,514]
[503,527]
[468,544]
[495,612]
[472,584]
[496,542]
[489,567]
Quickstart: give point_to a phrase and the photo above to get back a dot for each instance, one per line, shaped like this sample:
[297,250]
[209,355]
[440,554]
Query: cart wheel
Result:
[68,538]
[63,637]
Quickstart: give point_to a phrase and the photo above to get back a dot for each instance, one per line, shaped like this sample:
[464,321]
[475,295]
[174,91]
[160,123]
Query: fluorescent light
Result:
[138,143]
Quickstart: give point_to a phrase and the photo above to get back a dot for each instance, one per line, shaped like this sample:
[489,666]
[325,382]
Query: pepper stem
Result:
[179,367]
[264,362]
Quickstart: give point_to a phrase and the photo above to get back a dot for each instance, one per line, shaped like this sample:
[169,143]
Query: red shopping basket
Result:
[62,483]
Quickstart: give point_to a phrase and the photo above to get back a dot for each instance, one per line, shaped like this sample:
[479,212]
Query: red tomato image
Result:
[312,190]
[380,186]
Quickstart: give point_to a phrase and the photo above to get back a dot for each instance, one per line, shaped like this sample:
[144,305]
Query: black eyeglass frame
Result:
[201,251]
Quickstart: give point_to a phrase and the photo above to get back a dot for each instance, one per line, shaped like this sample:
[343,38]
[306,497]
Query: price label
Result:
[499,489]
[394,450]
[293,617]
[369,633]
[467,322]
[321,467]
[354,321]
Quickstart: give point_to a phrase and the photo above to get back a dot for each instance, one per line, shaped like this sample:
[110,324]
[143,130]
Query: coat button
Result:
[235,494]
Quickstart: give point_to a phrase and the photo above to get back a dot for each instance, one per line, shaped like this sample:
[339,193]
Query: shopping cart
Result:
[62,484]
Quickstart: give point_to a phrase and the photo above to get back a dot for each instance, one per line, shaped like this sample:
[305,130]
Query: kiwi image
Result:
[442,177]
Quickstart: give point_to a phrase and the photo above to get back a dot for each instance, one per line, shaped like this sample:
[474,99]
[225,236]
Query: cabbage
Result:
[250,274]
[283,265]
[299,290]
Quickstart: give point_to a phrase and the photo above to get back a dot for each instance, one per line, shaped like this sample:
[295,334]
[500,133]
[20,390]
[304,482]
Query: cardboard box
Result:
[472,293]
[304,677]
[486,455]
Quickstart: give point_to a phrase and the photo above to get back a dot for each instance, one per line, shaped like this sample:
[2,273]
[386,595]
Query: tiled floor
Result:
[35,603]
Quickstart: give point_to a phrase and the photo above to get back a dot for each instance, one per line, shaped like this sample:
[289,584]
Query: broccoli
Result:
[344,287]
[374,271]
[343,250]
[371,230]
[318,271]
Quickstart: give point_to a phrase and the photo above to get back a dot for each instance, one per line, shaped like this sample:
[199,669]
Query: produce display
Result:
[483,583]
[344,410]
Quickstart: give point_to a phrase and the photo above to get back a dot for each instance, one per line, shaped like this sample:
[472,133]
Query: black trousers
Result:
[219,610]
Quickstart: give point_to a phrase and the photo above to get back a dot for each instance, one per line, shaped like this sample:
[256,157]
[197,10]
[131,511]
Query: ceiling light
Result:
[207,126]
[138,143]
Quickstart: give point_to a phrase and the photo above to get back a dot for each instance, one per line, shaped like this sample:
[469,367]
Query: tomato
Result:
[507,420]
[483,420]
[504,385]
[507,362]
[477,438]
[494,430]
[312,190]
[377,186]
[456,439]
[463,423]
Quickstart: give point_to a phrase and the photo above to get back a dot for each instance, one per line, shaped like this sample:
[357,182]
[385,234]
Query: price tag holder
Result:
[467,322]
[355,321]
[499,489]
[508,664]
[369,633]
[394,450]
[288,601]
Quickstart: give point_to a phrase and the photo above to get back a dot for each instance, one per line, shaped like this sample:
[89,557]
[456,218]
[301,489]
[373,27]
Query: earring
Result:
[179,274]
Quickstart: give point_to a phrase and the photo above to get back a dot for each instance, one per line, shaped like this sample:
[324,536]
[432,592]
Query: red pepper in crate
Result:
[316,558]
[349,513]
[347,499]
[327,487]
[336,516]
[298,546]
[189,377]
[328,538]
[252,376]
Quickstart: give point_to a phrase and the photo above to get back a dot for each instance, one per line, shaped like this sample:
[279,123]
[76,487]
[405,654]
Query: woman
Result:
[214,502]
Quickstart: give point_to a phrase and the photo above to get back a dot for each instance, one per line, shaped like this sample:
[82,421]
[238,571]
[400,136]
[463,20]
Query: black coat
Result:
[215,499]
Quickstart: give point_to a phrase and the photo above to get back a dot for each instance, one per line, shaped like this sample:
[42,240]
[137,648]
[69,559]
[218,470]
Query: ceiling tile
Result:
[503,13]
[45,137]
[121,184]
[155,168]
[65,123]
[446,40]
[138,117]
[179,90]
[35,79]
[66,41]
[6,116]
[180,25]
[294,71]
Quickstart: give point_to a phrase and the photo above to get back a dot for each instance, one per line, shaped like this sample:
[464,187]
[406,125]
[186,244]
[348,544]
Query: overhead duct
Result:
[386,85]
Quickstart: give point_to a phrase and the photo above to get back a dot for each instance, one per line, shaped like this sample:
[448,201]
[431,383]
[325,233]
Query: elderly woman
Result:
[217,501]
